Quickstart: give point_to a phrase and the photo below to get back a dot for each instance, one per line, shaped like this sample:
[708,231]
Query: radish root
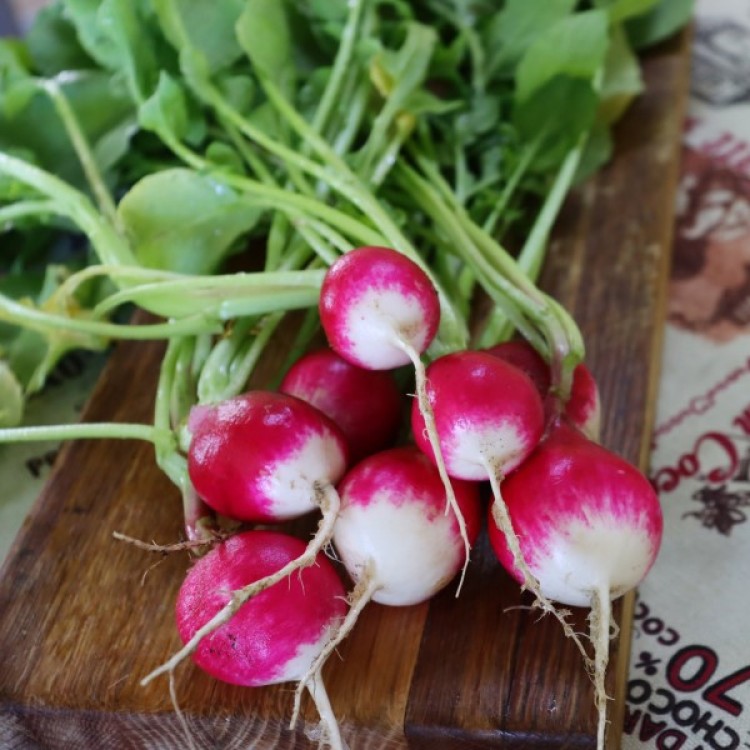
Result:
[189,544]
[599,623]
[328,500]
[502,518]
[328,730]
[360,596]
[431,430]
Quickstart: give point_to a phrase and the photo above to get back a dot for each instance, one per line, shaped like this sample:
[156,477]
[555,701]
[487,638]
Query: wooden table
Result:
[83,618]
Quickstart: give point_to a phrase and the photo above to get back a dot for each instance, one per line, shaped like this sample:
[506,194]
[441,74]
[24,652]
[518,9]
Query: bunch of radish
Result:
[572,522]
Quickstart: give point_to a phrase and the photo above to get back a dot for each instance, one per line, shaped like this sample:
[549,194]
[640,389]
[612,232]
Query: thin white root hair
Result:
[167,548]
[502,518]
[329,503]
[599,621]
[358,599]
[431,431]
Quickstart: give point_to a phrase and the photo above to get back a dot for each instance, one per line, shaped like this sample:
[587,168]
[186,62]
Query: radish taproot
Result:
[589,525]
[583,407]
[274,637]
[394,536]
[379,310]
[489,418]
[365,404]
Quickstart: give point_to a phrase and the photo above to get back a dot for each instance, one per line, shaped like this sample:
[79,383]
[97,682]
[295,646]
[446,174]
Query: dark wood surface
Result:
[83,617]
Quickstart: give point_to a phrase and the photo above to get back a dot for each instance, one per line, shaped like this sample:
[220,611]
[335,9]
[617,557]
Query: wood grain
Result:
[83,617]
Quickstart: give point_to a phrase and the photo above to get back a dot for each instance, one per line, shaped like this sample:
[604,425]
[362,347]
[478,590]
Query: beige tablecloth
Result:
[690,670]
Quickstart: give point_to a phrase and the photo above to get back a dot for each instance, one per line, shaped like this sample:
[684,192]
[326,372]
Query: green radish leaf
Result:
[622,80]
[512,30]
[666,18]
[53,43]
[197,26]
[111,147]
[264,34]
[126,32]
[223,155]
[166,110]
[575,47]
[239,91]
[619,10]
[179,220]
[93,38]
[597,152]
[555,116]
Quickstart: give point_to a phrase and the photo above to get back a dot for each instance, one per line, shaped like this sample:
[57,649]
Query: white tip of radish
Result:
[393,520]
[581,554]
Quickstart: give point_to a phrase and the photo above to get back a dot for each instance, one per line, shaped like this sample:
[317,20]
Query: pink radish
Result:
[365,404]
[393,534]
[489,417]
[276,636]
[582,409]
[589,525]
[380,310]
[265,456]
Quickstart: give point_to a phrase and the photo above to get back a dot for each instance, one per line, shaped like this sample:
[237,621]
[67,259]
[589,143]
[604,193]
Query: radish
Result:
[380,310]
[589,525]
[489,417]
[274,637]
[583,407]
[393,535]
[365,404]
[265,456]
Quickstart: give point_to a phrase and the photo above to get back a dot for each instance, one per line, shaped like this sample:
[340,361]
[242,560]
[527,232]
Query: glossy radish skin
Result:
[583,408]
[522,355]
[373,296]
[275,636]
[393,519]
[365,404]
[489,415]
[259,456]
[585,519]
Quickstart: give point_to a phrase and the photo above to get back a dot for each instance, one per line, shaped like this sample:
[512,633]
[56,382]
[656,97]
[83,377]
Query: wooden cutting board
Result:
[83,617]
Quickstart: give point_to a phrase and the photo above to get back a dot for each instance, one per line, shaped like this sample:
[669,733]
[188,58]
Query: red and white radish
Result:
[265,456]
[489,418]
[393,535]
[277,635]
[582,408]
[365,404]
[589,525]
[380,310]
